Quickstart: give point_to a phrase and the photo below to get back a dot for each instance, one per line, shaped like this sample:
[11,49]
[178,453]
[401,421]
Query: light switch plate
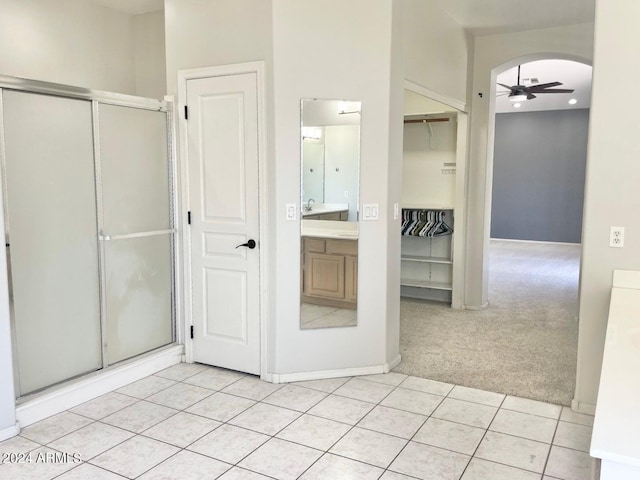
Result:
[291,211]
[370,211]
[396,211]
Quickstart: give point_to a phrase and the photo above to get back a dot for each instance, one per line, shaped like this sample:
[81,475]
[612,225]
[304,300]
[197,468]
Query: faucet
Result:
[307,207]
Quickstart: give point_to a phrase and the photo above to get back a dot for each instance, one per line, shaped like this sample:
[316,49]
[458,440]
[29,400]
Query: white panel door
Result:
[223,190]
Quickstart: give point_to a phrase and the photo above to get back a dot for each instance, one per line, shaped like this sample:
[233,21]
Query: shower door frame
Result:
[97,97]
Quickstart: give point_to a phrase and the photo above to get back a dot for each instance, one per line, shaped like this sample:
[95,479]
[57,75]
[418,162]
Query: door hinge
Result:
[186,112]
[191,331]
[189,217]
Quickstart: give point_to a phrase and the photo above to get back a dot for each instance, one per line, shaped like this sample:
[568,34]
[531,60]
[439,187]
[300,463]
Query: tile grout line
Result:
[473,455]
[300,414]
[416,432]
[352,427]
[327,451]
[555,432]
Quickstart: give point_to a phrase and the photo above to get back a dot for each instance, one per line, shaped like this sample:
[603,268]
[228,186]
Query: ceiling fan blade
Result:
[502,94]
[505,86]
[530,96]
[539,86]
[556,90]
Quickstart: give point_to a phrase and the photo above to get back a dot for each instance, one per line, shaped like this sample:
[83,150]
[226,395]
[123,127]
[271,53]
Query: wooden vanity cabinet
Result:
[330,272]
[341,215]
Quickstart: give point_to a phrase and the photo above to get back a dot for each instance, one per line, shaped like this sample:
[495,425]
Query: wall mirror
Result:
[330,167]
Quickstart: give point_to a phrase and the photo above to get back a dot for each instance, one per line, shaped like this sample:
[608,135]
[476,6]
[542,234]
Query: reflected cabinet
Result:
[329,201]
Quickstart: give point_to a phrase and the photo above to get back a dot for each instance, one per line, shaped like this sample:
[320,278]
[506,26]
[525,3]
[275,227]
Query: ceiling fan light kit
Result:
[520,93]
[517,97]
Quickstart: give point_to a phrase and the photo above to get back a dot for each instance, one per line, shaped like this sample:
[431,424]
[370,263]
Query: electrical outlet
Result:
[616,237]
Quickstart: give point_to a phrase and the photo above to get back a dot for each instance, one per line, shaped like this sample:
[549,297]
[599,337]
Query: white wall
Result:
[149,55]
[342,166]
[573,42]
[435,49]
[326,50]
[613,170]
[427,147]
[72,42]
[76,42]
[204,33]
[394,181]
[492,51]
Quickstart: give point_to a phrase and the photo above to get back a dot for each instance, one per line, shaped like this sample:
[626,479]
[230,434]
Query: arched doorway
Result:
[536,161]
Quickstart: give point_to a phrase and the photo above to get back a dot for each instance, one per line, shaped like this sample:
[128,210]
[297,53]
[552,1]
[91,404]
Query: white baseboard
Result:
[322,374]
[9,432]
[393,364]
[581,407]
[476,307]
[534,241]
[57,399]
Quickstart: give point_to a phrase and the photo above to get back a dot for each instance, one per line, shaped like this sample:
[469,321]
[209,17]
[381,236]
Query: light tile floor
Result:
[321,316]
[196,422]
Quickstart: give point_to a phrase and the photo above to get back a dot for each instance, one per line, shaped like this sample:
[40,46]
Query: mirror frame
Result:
[330,245]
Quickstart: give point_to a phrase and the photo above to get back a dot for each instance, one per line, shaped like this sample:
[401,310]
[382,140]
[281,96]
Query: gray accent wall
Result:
[539,175]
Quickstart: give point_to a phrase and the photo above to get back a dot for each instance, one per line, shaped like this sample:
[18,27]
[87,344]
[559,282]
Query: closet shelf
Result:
[422,259]
[426,206]
[406,282]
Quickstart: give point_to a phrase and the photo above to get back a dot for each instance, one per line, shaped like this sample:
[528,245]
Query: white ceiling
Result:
[571,74]
[483,17]
[479,17]
[132,7]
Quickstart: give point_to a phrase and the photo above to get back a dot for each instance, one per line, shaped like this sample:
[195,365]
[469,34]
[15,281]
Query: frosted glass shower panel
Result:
[52,233]
[138,300]
[135,169]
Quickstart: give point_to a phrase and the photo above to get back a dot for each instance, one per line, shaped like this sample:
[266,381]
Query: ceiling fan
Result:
[520,93]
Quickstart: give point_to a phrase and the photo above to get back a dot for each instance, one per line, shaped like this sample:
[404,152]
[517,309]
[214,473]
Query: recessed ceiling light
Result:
[573,101]
[517,105]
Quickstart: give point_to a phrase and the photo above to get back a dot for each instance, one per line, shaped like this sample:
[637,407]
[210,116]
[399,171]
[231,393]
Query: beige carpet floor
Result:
[523,344]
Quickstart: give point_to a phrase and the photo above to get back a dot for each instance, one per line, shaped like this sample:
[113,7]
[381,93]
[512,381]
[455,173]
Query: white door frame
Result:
[460,203]
[181,217]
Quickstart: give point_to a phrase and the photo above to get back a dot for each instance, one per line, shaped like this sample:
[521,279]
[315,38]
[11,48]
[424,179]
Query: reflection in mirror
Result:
[330,165]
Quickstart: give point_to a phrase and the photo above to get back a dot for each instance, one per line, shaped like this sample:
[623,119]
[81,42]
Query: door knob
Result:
[251,244]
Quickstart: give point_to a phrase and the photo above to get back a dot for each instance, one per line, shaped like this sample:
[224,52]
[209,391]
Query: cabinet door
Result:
[351,278]
[324,275]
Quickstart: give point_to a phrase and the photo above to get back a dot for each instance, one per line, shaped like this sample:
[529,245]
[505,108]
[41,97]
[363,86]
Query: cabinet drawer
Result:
[342,247]
[314,245]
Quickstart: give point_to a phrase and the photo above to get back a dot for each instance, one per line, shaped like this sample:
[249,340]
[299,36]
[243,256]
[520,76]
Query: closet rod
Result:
[427,120]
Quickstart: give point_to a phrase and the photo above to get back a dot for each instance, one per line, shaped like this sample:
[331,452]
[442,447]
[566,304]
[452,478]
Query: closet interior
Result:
[432,200]
[87,192]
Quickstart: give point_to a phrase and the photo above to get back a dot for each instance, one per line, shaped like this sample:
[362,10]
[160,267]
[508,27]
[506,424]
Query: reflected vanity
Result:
[330,154]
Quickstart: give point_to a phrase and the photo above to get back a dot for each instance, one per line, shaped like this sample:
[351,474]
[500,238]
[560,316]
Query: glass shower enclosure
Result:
[87,192]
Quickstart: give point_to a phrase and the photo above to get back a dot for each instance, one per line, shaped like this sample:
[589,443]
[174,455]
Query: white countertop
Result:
[616,430]
[321,208]
[330,229]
